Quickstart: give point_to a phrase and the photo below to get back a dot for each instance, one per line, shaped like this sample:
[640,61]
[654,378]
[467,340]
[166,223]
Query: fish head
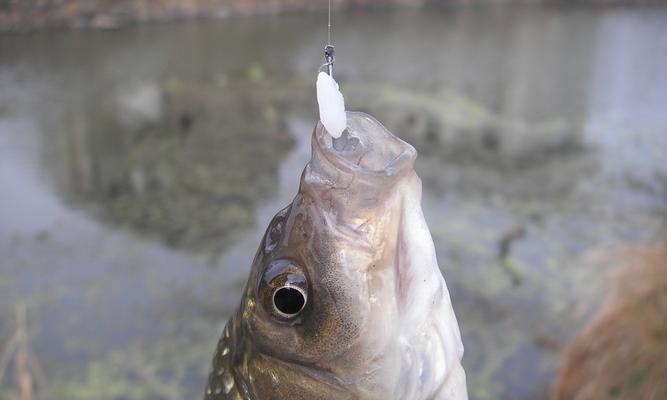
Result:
[344,285]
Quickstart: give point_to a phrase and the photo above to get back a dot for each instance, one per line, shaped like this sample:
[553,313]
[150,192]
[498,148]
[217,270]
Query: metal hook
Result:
[329,57]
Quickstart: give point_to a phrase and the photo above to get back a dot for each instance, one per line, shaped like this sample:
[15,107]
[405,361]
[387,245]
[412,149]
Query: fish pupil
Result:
[289,300]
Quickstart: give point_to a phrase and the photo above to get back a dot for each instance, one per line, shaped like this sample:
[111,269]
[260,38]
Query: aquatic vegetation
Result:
[465,146]
[183,176]
[191,177]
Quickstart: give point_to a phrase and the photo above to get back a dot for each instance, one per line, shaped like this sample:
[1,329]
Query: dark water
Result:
[140,167]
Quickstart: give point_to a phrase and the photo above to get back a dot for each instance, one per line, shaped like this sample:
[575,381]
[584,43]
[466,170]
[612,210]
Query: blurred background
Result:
[141,162]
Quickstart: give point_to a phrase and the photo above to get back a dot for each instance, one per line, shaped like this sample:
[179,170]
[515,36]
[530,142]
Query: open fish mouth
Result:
[370,149]
[353,181]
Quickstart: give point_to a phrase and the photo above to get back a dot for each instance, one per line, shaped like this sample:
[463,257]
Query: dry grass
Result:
[27,370]
[623,353]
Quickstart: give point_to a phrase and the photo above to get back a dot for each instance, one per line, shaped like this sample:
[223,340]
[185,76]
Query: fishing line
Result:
[329,49]
[329,26]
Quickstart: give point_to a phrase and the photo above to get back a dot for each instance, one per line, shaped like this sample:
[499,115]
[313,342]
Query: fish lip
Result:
[402,159]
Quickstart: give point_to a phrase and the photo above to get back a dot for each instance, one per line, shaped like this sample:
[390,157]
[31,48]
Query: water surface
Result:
[140,167]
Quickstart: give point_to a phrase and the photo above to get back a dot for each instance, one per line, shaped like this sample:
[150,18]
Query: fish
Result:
[345,299]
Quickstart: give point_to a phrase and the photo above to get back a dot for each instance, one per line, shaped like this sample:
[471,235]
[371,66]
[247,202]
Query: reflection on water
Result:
[141,166]
[157,162]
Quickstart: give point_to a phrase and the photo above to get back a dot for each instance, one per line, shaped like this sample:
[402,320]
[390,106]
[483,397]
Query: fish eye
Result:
[283,290]
[289,300]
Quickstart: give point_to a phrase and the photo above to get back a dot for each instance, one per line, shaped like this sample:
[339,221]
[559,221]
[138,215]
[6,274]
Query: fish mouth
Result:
[370,152]
[351,186]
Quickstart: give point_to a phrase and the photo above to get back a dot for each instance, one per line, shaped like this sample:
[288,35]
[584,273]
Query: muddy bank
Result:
[27,15]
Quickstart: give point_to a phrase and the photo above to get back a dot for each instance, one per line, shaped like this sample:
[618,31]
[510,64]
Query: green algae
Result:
[193,177]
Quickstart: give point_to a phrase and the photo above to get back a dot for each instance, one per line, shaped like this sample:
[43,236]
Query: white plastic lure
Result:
[332,105]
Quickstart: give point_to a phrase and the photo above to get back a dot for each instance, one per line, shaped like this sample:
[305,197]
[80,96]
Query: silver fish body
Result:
[345,299]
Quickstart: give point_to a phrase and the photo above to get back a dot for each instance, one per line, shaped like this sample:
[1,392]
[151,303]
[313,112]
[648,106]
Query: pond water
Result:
[139,168]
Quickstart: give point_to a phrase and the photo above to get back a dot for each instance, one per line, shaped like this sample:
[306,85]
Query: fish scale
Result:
[221,380]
